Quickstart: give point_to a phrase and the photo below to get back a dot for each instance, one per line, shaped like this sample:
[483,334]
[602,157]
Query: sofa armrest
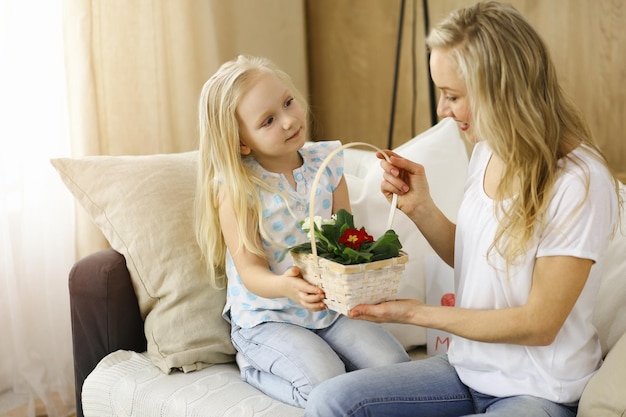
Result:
[105,315]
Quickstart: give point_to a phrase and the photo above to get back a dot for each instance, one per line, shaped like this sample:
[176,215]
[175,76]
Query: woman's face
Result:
[453,99]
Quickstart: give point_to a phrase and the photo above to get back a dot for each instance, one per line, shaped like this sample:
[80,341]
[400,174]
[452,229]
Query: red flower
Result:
[354,238]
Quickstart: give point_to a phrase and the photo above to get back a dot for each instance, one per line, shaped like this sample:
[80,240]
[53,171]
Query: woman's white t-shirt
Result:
[579,222]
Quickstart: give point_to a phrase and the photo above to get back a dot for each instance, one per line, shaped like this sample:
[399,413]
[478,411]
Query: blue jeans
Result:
[428,387]
[286,361]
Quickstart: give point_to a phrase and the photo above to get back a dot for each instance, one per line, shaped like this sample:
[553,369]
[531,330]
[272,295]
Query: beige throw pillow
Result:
[143,206]
[604,394]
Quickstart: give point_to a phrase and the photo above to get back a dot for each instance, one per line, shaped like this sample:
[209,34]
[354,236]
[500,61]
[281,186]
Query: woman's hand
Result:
[301,291]
[396,311]
[408,180]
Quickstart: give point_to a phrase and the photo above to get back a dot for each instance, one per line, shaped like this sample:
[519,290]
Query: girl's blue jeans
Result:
[428,387]
[286,361]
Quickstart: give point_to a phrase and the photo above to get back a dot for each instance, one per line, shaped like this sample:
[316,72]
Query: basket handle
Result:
[318,175]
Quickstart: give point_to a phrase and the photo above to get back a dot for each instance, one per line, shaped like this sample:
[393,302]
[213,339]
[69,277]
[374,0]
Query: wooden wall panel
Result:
[242,27]
[352,52]
[352,55]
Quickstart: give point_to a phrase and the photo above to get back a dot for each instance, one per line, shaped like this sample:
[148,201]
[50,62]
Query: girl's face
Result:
[272,124]
[453,99]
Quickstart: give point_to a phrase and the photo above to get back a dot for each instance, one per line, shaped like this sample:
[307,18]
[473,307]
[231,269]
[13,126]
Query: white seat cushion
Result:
[127,383]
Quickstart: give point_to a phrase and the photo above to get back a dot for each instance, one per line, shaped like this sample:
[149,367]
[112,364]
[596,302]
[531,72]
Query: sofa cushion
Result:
[442,152]
[127,384]
[143,206]
[610,311]
[604,394]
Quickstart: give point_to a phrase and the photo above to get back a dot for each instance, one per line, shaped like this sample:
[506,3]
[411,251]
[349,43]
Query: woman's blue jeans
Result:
[428,388]
[286,361]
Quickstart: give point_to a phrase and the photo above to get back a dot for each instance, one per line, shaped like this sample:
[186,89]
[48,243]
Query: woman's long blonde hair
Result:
[220,164]
[519,108]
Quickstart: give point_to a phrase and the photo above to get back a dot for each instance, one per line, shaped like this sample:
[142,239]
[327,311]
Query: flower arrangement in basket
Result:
[346,262]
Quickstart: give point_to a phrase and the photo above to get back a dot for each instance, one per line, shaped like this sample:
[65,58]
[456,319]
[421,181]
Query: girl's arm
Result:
[254,269]
[557,283]
[341,198]
[408,180]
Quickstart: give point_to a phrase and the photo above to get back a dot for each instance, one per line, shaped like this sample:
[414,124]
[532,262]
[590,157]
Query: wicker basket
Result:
[347,286]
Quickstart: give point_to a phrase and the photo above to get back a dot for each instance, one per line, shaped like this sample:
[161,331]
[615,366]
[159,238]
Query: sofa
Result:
[148,336]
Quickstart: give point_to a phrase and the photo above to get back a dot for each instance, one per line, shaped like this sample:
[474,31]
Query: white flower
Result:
[306,226]
[306,223]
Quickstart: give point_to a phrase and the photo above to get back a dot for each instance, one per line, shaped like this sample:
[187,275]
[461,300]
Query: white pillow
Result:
[442,152]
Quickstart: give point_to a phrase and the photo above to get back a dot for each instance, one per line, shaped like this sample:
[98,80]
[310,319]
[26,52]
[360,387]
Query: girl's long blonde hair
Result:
[220,164]
[519,108]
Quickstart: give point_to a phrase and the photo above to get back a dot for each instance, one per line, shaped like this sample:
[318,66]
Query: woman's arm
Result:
[408,180]
[557,283]
[254,269]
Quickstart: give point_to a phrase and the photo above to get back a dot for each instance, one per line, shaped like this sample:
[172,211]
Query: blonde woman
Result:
[254,182]
[539,208]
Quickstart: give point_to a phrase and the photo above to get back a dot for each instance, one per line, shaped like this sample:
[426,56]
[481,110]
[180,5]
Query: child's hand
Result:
[301,291]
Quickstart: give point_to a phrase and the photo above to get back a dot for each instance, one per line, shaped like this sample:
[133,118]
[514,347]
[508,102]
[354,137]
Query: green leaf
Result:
[345,218]
[355,257]
[301,248]
[388,245]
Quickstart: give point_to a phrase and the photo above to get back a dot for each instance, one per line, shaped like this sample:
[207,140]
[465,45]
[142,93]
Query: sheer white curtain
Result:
[36,212]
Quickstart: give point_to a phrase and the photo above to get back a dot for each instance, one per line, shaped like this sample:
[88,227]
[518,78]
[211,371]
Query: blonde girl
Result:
[254,181]
[539,208]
